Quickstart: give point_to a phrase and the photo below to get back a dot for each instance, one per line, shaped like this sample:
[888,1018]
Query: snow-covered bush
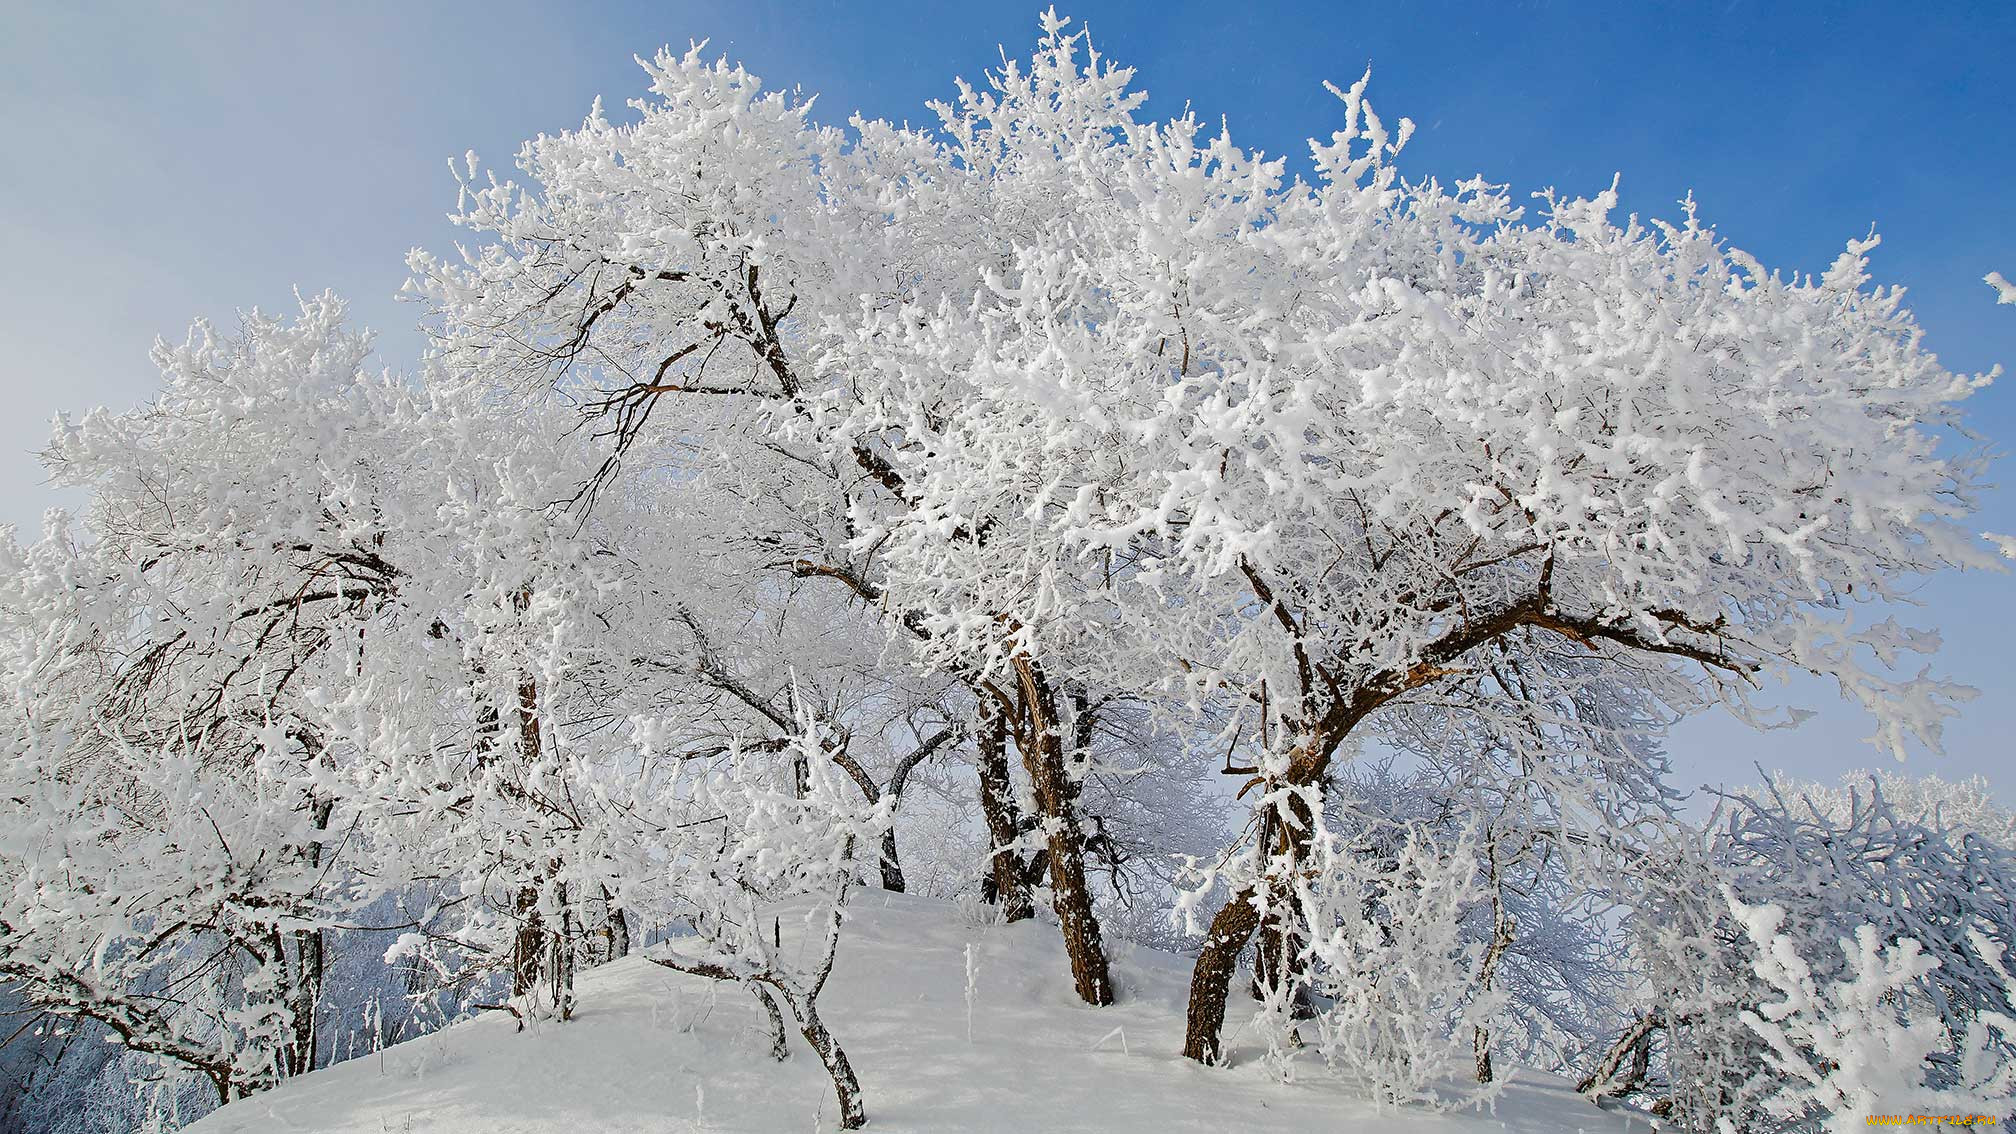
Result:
[1551,885]
[737,842]
[1959,808]
[1839,886]
[1398,987]
[1369,948]
[1871,1041]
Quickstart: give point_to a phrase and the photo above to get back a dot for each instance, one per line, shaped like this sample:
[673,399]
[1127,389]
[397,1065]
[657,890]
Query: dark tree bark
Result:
[1005,884]
[527,945]
[304,995]
[1211,979]
[561,964]
[891,865]
[892,869]
[1042,741]
[1277,955]
[1235,924]
[1277,962]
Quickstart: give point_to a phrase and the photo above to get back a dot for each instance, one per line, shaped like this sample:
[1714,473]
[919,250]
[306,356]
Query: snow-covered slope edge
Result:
[653,1050]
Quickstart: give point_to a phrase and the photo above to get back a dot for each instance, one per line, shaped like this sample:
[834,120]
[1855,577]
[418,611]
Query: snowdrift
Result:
[654,1050]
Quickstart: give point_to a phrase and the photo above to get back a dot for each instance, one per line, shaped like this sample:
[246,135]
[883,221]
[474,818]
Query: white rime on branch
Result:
[778,493]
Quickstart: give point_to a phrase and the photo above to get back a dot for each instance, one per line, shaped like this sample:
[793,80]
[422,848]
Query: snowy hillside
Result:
[653,1050]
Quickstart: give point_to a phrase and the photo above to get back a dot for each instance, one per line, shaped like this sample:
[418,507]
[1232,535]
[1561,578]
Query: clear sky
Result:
[161,161]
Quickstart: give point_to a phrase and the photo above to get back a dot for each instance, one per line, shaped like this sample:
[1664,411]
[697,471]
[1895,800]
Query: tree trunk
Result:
[892,870]
[614,931]
[1005,885]
[526,951]
[538,949]
[1274,959]
[561,947]
[542,956]
[1503,926]
[304,994]
[779,1049]
[848,1089]
[527,946]
[1041,740]
[1211,979]
[1278,963]
[1610,1077]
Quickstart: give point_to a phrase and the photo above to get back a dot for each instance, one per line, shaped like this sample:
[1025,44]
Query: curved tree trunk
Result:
[1234,925]
[853,1116]
[1611,1076]
[1211,979]
[899,779]
[779,1049]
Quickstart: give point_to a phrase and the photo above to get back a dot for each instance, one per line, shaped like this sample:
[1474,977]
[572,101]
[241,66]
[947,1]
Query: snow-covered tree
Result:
[171,821]
[1103,403]
[766,471]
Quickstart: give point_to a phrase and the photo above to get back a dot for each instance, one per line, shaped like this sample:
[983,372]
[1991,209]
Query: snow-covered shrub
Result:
[1842,882]
[1957,807]
[1688,1053]
[735,842]
[1546,846]
[1399,984]
[1868,863]
[1870,1041]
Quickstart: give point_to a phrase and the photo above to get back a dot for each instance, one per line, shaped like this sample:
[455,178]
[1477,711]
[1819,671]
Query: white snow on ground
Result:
[654,1050]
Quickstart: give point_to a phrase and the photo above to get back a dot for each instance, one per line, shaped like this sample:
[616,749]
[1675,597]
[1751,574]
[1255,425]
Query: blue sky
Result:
[164,161]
